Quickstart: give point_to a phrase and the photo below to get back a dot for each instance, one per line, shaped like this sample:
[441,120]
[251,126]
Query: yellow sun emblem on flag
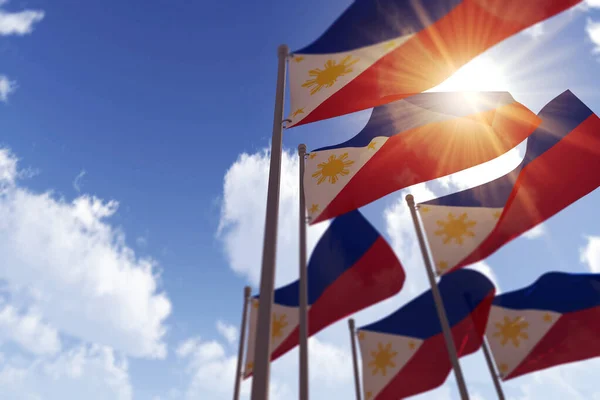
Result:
[277,325]
[512,330]
[331,168]
[329,75]
[455,228]
[382,359]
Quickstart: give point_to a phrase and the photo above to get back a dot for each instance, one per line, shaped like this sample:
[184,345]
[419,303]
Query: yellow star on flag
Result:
[297,112]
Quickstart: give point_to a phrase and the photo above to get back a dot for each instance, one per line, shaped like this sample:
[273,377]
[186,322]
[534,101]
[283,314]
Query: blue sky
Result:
[127,281]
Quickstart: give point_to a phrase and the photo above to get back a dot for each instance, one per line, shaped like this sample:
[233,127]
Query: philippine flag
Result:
[560,166]
[352,267]
[379,51]
[410,141]
[405,353]
[554,321]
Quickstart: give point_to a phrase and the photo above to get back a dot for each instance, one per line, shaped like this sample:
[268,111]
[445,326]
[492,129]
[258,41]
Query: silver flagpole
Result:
[238,370]
[490,364]
[262,348]
[460,380]
[354,357]
[303,284]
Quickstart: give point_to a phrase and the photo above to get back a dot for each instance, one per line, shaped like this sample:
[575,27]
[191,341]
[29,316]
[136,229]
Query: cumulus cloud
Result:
[593,3]
[18,23]
[590,254]
[575,381]
[242,218]
[77,181]
[535,232]
[485,269]
[7,87]
[593,30]
[82,279]
[29,331]
[212,371]
[229,332]
[85,372]
[535,31]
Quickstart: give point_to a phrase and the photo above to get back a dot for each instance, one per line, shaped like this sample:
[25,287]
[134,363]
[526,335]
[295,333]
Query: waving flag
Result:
[552,322]
[410,141]
[560,166]
[379,51]
[352,267]
[405,353]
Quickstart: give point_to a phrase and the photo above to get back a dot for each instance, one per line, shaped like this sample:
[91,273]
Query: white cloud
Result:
[485,269]
[535,31]
[77,181]
[29,331]
[590,254]
[18,23]
[593,30]
[7,87]
[229,332]
[141,241]
[91,373]
[242,219]
[535,232]
[575,381]
[212,370]
[593,3]
[82,278]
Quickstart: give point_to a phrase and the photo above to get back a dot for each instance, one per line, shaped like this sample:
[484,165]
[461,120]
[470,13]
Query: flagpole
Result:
[354,358]
[439,304]
[262,348]
[238,370]
[303,300]
[490,364]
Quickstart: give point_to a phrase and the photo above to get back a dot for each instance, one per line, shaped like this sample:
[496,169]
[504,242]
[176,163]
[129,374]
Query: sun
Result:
[455,228]
[382,359]
[277,325]
[482,74]
[330,169]
[329,75]
[512,330]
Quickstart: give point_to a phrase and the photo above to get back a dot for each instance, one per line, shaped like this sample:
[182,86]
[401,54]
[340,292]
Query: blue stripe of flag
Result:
[346,240]
[555,291]
[368,22]
[462,291]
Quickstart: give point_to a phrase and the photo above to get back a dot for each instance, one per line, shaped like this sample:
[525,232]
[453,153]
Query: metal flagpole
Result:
[354,359]
[262,348]
[460,380]
[238,370]
[490,364]
[303,284]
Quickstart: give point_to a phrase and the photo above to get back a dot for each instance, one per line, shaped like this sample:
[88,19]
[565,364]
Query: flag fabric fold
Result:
[405,353]
[559,167]
[379,51]
[554,321]
[410,141]
[352,267]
